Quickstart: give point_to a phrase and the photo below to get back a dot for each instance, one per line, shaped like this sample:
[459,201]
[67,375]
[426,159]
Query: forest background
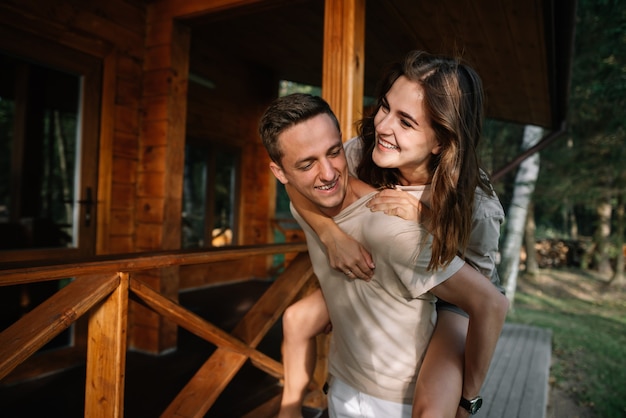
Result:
[574,189]
[564,229]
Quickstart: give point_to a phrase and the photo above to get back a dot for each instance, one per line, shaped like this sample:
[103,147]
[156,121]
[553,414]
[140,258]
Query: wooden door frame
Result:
[88,68]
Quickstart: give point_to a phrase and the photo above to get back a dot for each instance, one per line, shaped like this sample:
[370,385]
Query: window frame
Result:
[88,69]
[213,148]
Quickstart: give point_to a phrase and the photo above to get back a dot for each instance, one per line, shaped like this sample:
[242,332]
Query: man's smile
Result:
[326,187]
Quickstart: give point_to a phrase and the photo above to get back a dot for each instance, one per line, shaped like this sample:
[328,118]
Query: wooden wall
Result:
[143,126]
[114,32]
[228,114]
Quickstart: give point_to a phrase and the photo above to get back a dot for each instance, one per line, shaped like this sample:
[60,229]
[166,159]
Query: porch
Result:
[516,386]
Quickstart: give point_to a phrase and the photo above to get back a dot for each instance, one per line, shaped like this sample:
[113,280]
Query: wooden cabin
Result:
[130,162]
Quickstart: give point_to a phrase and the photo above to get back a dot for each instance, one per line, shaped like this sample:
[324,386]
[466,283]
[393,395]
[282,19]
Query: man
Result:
[381,328]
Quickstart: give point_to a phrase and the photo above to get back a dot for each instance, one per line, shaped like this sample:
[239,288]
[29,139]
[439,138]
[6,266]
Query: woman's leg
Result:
[440,379]
[302,321]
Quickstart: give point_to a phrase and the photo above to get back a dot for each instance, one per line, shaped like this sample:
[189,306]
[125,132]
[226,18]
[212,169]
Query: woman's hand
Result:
[399,203]
[347,255]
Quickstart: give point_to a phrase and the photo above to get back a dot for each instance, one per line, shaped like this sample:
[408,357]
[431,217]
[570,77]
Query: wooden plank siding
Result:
[113,31]
[143,123]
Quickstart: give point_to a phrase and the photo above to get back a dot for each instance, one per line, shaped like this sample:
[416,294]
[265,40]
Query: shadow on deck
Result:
[516,386]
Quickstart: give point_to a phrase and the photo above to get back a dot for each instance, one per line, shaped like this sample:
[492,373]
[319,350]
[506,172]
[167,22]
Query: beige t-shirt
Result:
[488,215]
[381,328]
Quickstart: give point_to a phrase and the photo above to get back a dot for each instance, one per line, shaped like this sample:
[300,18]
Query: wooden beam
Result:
[29,272]
[202,328]
[344,61]
[46,321]
[208,383]
[39,26]
[106,355]
[177,9]
[201,392]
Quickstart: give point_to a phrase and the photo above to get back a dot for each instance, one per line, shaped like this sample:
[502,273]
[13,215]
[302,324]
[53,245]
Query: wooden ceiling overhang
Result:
[521,49]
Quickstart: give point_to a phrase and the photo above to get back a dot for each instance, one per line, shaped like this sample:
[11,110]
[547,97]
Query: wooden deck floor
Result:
[517,383]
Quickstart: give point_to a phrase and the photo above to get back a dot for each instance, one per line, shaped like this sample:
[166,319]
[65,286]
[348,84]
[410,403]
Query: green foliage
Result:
[587,164]
[598,94]
[501,142]
[599,75]
[288,87]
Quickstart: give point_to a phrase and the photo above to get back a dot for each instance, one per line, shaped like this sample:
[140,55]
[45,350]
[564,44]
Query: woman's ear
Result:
[436,149]
[278,172]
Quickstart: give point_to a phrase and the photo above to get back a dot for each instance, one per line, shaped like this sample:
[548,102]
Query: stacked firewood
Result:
[559,253]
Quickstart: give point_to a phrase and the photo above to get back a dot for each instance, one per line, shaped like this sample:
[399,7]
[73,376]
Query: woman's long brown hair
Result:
[453,100]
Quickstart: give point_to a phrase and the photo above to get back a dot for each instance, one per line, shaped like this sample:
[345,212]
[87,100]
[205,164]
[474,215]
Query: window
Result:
[210,191]
[49,132]
[39,111]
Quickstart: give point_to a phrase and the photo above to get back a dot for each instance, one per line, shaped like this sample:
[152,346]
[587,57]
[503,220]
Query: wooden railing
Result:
[103,286]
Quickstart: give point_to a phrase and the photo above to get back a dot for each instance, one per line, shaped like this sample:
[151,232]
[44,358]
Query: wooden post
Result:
[342,87]
[344,59]
[106,355]
[160,174]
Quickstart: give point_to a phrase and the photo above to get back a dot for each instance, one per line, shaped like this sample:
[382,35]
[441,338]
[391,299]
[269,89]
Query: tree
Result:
[525,179]
[582,181]
[597,116]
[618,275]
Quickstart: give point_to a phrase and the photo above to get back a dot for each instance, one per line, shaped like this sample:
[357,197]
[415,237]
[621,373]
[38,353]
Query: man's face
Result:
[314,163]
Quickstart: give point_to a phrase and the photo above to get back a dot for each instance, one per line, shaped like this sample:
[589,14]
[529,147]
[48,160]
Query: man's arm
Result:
[344,252]
[487,309]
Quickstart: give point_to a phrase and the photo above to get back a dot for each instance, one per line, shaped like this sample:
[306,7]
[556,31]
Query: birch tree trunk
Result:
[516,217]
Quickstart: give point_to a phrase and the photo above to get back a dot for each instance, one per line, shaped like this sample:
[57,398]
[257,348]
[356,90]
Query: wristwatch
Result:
[472,406]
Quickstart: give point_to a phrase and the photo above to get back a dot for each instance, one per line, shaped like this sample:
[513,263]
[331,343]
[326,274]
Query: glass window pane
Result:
[209,196]
[225,192]
[38,146]
[194,197]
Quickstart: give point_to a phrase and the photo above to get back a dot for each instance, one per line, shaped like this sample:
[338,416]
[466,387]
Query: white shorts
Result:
[344,401]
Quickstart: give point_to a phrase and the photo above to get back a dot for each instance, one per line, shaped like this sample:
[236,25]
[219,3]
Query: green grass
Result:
[589,337]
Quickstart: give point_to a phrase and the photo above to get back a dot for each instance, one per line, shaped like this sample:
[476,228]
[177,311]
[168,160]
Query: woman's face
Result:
[404,136]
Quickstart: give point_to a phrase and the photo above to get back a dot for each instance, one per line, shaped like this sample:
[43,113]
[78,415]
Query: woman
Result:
[423,132]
